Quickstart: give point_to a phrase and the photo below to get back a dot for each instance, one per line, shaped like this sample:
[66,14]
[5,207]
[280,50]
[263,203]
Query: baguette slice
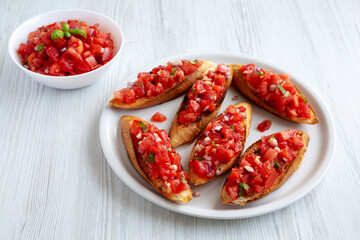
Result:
[169,93]
[141,165]
[288,170]
[181,133]
[194,178]
[248,91]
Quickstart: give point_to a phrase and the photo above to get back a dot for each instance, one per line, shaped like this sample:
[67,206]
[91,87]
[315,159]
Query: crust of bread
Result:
[244,87]
[168,94]
[195,179]
[280,180]
[181,133]
[142,167]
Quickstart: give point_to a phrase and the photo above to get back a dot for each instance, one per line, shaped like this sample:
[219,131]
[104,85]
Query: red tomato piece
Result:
[264,125]
[158,117]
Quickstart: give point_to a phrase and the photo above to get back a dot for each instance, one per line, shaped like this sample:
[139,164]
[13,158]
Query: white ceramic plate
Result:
[316,161]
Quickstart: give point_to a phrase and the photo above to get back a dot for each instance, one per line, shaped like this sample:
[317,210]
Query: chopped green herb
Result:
[277,165]
[232,127]
[198,158]
[302,96]
[40,47]
[183,180]
[173,71]
[219,167]
[194,62]
[282,89]
[272,137]
[242,186]
[168,149]
[187,105]
[143,126]
[194,91]
[65,27]
[78,32]
[57,34]
[213,143]
[151,157]
[260,73]
[139,83]
[258,151]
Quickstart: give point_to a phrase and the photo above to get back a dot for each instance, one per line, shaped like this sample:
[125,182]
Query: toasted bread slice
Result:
[194,178]
[181,133]
[245,88]
[169,93]
[141,165]
[288,170]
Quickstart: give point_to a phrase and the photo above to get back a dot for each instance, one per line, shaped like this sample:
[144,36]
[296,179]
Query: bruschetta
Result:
[218,148]
[161,84]
[200,105]
[265,166]
[150,152]
[273,92]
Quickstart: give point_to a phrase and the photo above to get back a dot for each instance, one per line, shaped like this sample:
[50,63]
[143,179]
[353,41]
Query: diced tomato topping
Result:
[267,162]
[204,95]
[264,125]
[66,56]
[153,146]
[158,117]
[158,80]
[222,141]
[277,91]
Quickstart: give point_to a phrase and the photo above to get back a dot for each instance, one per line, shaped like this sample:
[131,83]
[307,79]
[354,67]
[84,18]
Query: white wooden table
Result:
[55,182]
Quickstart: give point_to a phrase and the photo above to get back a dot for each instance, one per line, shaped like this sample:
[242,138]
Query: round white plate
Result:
[316,161]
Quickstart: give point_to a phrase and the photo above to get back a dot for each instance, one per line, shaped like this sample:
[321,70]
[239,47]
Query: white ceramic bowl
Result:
[66,82]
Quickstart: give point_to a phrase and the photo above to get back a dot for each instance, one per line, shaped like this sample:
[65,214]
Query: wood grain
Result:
[54,180]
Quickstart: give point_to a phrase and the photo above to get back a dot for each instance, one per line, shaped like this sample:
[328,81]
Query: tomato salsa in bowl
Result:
[66,49]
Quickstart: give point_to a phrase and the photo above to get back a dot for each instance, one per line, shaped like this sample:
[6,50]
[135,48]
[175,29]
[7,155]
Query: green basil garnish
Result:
[198,158]
[194,91]
[302,96]
[194,62]
[151,157]
[242,186]
[232,127]
[143,126]
[65,27]
[173,71]
[213,143]
[183,180]
[282,89]
[78,31]
[260,73]
[139,83]
[277,165]
[40,47]
[57,34]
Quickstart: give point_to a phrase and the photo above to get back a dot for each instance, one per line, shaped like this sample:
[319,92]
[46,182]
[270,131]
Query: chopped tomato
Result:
[153,146]
[158,80]
[204,95]
[222,141]
[72,55]
[277,91]
[158,117]
[264,125]
[266,163]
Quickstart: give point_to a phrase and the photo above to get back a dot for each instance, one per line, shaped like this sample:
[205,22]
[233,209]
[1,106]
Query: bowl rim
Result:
[10,50]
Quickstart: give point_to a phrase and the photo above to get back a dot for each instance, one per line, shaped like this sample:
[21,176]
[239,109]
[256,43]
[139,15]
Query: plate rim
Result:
[215,214]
